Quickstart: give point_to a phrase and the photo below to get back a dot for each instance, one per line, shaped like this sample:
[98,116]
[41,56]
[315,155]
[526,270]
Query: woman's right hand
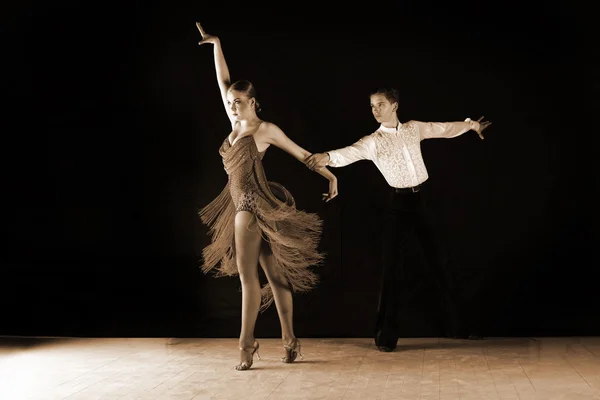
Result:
[206,38]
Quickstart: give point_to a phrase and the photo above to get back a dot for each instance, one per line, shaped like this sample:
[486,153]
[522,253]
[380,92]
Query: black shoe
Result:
[385,349]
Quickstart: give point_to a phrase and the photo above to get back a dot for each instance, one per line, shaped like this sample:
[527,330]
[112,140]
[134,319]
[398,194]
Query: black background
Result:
[113,121]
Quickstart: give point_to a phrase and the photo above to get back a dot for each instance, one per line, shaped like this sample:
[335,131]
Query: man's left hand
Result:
[482,125]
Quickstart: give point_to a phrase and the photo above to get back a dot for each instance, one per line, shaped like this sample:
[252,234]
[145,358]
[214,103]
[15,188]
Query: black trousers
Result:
[407,229]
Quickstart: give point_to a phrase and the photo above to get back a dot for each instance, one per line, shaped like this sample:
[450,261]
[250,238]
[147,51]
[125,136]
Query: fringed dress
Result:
[292,234]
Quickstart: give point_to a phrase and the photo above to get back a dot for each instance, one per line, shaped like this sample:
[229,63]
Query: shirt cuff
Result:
[332,158]
[474,124]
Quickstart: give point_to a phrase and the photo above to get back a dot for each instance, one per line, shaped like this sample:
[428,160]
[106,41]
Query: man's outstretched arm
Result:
[361,150]
[429,130]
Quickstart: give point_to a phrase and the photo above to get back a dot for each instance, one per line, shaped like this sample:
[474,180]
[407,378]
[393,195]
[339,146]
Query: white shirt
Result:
[397,151]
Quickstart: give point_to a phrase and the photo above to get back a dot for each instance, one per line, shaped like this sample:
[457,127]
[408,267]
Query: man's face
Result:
[382,109]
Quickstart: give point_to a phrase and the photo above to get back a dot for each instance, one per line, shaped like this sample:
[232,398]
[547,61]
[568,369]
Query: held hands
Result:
[317,161]
[333,190]
[206,38]
[482,126]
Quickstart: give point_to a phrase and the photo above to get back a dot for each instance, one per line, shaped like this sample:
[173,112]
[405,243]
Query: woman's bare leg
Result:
[247,247]
[281,294]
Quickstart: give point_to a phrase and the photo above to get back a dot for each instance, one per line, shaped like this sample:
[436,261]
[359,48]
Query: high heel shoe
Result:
[292,351]
[245,365]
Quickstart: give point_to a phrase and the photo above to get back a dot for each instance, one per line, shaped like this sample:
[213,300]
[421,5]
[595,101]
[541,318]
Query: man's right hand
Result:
[317,161]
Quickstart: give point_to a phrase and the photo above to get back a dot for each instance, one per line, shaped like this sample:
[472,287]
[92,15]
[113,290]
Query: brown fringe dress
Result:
[292,234]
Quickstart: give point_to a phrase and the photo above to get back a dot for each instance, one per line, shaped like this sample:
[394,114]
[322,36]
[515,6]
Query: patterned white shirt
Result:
[397,151]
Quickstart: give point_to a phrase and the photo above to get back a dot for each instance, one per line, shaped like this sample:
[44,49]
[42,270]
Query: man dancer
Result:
[395,149]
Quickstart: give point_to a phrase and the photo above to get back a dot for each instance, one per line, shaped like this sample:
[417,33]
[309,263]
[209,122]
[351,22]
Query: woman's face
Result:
[240,106]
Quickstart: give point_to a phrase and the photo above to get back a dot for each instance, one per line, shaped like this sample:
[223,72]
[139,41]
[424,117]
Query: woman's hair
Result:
[248,89]
[390,93]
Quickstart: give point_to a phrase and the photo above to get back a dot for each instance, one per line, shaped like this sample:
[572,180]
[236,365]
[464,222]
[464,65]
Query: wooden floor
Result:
[199,369]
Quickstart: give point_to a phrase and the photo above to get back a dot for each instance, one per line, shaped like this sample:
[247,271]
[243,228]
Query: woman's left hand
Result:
[333,190]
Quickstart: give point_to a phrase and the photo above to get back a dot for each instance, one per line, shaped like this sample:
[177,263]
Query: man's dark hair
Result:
[390,93]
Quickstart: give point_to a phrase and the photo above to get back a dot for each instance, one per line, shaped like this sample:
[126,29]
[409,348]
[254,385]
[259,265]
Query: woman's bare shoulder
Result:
[270,129]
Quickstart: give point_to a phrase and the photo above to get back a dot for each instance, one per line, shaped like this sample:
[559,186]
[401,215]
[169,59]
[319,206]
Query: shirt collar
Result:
[390,130]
